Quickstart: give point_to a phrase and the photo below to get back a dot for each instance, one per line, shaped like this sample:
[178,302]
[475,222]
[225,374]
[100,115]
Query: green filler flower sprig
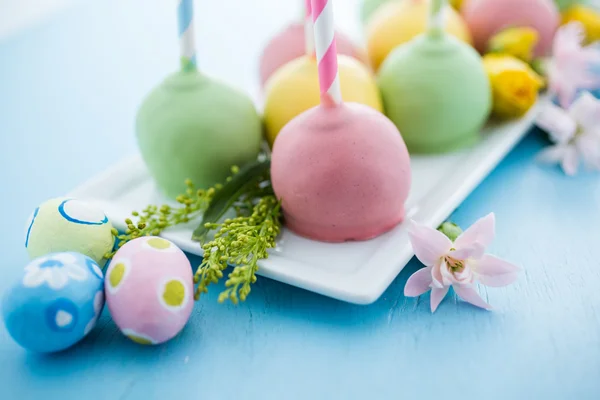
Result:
[241,241]
[153,220]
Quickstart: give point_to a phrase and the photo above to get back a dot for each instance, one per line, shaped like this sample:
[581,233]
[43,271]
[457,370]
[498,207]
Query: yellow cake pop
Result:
[294,88]
[397,22]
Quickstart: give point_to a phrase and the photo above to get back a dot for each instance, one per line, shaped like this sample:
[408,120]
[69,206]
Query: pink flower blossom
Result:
[460,264]
[571,65]
[575,132]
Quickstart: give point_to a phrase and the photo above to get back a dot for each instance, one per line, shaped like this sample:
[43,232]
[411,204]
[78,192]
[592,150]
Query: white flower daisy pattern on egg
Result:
[139,338]
[54,270]
[116,274]
[173,294]
[93,266]
[98,303]
[159,244]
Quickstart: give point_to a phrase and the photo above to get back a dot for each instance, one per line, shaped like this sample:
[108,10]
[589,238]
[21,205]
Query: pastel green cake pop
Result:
[193,127]
[435,89]
[65,224]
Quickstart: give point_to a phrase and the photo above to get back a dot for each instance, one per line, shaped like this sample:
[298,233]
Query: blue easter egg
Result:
[55,303]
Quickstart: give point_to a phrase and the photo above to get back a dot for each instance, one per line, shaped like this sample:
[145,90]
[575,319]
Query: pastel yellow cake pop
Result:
[294,88]
[397,22]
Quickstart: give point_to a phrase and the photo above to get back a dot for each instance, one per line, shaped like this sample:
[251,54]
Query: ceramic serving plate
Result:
[355,272]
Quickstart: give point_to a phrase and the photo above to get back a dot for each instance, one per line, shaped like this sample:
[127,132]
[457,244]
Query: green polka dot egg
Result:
[65,224]
[149,290]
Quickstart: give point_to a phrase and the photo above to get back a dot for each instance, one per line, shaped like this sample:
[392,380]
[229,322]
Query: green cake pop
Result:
[193,127]
[435,89]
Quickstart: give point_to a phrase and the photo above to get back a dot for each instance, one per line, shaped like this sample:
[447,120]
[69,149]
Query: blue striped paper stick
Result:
[185,13]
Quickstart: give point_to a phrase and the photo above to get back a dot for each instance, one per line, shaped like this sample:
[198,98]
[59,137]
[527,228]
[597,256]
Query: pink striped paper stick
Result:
[322,11]
[309,35]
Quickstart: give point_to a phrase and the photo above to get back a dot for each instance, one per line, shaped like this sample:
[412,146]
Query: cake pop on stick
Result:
[436,89]
[289,44]
[485,18]
[193,127]
[294,88]
[341,170]
[399,21]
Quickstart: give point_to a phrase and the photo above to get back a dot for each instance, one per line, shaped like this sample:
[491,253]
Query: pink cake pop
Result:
[487,17]
[342,171]
[289,44]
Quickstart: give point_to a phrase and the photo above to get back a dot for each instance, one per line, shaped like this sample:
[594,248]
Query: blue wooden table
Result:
[69,89]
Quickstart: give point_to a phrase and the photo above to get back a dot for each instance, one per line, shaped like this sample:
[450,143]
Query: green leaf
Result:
[245,181]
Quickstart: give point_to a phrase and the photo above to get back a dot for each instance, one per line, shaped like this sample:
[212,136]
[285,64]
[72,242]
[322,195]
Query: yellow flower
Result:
[588,17]
[457,4]
[518,42]
[514,84]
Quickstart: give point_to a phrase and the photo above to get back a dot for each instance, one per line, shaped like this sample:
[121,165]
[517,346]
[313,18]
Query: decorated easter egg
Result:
[65,224]
[149,290]
[55,302]
[289,44]
[294,88]
[485,18]
[193,127]
[397,22]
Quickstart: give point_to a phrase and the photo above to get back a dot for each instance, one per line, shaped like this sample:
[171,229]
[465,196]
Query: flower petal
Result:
[464,277]
[570,67]
[428,244]
[588,145]
[568,38]
[470,295]
[481,233]
[34,277]
[56,277]
[553,154]
[65,258]
[436,274]
[586,111]
[559,125]
[475,250]
[74,271]
[437,295]
[37,263]
[495,272]
[447,278]
[570,161]
[418,283]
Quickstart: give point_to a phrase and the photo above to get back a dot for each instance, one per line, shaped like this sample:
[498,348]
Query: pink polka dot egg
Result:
[149,290]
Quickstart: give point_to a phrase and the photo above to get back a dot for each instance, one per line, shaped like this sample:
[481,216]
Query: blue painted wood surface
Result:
[69,89]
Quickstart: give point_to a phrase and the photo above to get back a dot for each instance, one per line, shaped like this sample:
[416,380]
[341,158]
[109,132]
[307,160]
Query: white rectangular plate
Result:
[355,272]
